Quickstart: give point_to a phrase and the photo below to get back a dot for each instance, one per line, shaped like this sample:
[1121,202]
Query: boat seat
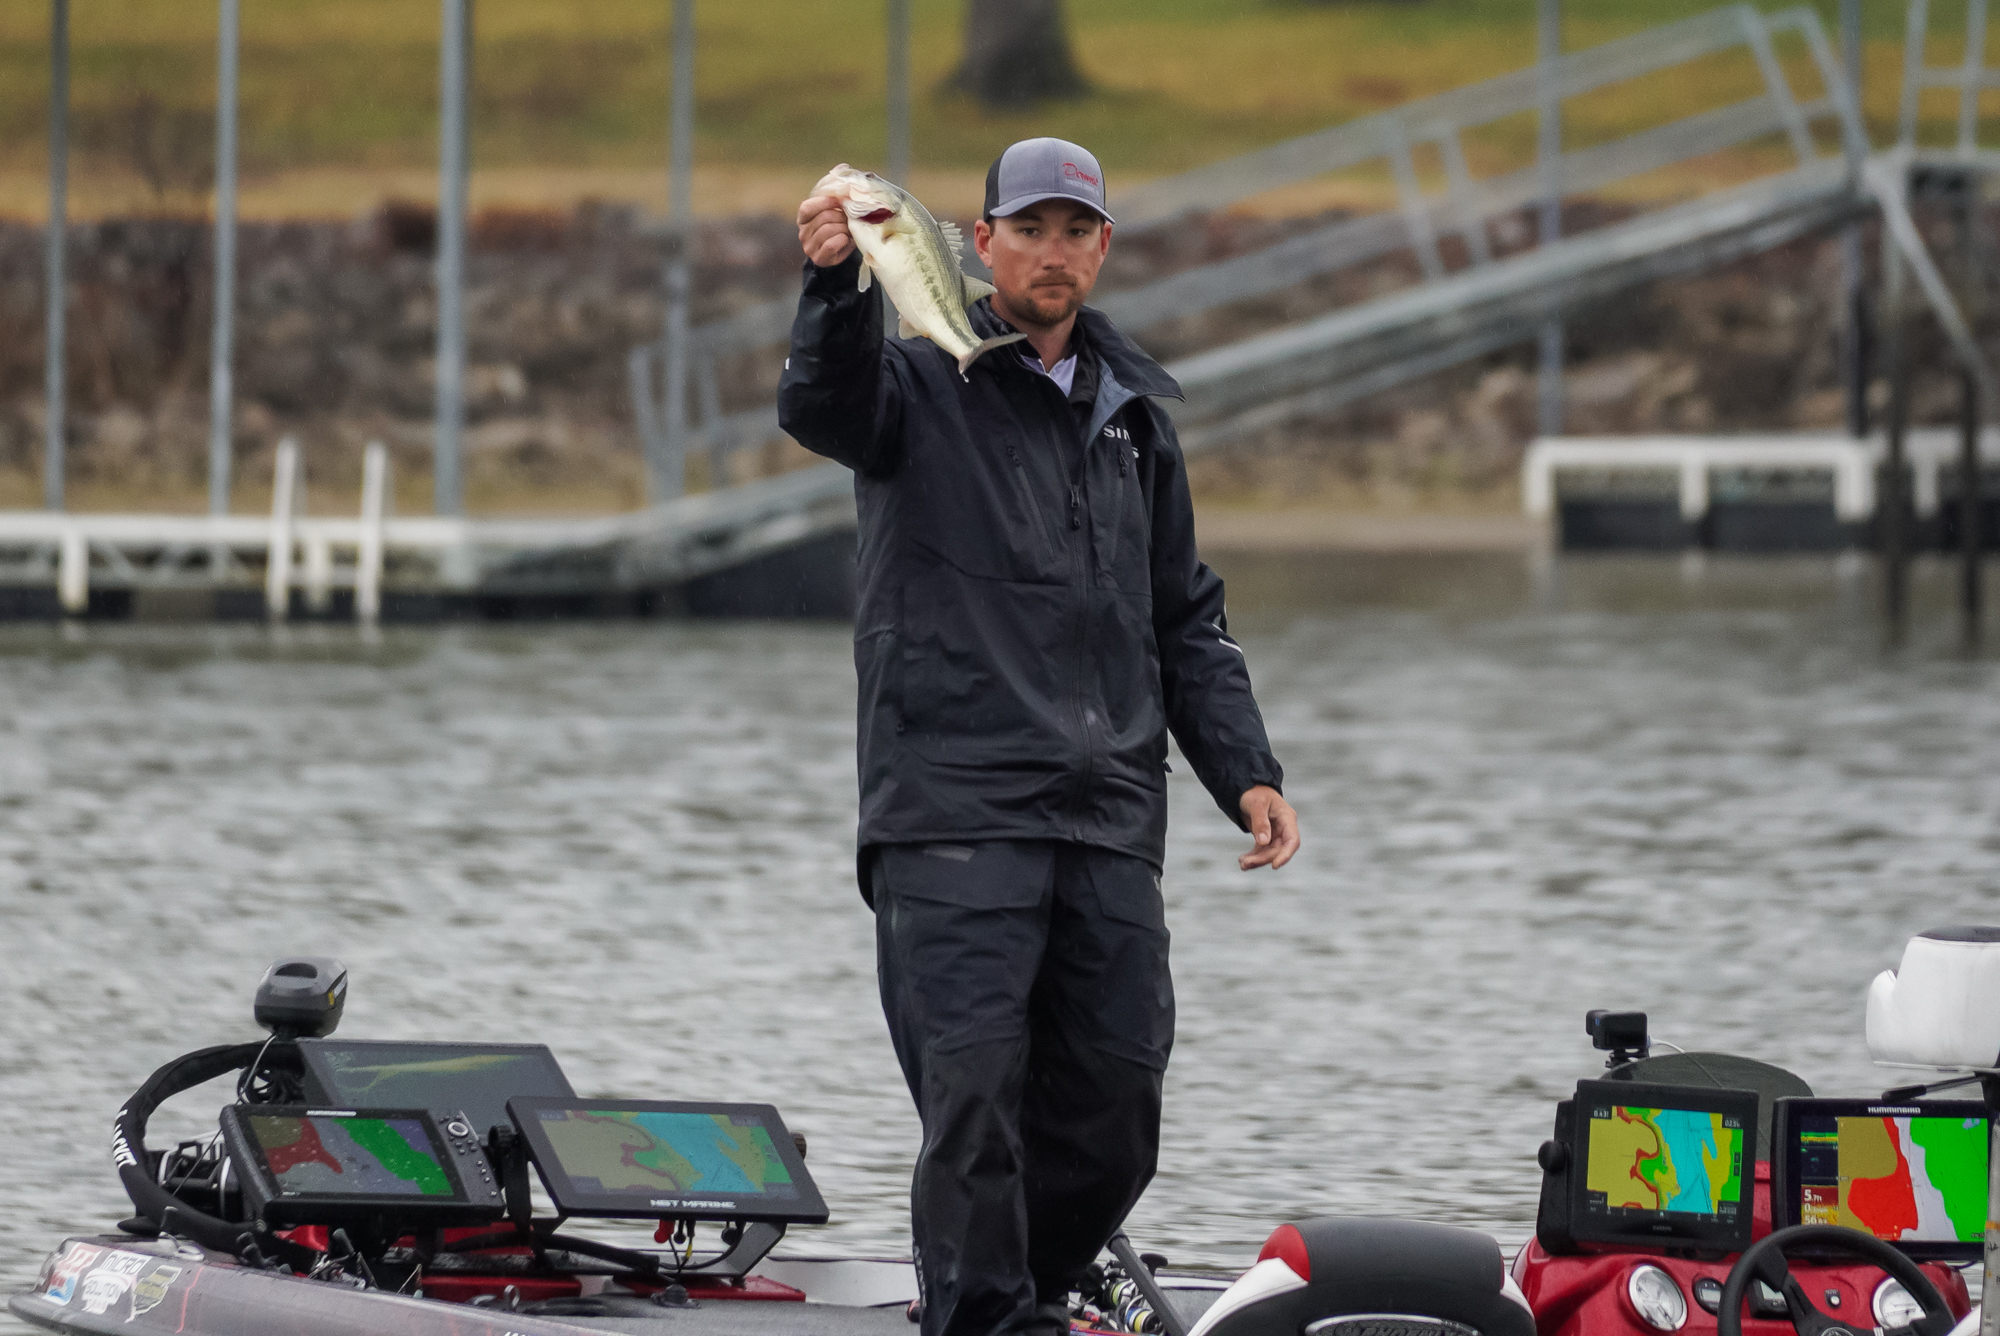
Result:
[1393,1277]
[1941,1008]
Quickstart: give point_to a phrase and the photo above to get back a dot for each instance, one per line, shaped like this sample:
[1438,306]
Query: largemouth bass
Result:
[917,259]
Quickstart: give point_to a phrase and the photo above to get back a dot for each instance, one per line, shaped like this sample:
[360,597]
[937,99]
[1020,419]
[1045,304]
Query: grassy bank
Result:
[339,100]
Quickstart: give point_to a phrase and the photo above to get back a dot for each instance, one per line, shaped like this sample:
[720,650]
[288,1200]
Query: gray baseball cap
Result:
[1038,169]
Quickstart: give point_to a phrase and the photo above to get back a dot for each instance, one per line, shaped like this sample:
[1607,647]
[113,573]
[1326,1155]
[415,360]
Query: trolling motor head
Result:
[301,997]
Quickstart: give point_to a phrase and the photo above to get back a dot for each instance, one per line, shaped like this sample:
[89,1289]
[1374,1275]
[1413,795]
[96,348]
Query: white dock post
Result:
[73,574]
[284,505]
[1538,480]
[319,573]
[1854,488]
[368,559]
[1694,483]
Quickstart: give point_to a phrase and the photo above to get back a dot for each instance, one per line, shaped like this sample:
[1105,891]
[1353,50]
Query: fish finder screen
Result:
[324,1153]
[647,1155]
[659,1159]
[1900,1175]
[478,1078]
[1660,1162]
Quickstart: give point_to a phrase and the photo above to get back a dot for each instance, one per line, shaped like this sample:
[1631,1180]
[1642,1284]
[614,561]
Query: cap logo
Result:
[1075,173]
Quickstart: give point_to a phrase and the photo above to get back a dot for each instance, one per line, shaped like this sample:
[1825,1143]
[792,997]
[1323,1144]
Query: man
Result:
[1033,622]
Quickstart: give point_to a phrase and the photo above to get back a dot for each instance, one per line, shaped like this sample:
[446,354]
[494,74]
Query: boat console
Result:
[396,1160]
[1671,1201]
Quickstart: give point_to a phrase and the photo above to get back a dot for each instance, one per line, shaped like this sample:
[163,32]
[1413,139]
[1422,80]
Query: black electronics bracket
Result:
[1552,1215]
[509,1156]
[746,1243]
[1904,1094]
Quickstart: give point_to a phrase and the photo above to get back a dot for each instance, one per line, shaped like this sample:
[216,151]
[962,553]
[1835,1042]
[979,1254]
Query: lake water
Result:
[1707,792]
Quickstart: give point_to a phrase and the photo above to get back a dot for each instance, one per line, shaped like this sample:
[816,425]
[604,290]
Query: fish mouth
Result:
[843,182]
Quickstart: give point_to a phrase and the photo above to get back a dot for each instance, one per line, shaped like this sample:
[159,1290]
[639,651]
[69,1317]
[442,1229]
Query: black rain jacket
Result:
[1032,617]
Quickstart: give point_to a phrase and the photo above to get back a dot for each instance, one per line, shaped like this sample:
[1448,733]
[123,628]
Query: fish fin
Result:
[975,288]
[867,276]
[954,239]
[904,329]
[986,346]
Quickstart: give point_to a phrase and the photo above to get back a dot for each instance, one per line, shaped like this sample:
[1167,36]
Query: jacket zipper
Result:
[1079,546]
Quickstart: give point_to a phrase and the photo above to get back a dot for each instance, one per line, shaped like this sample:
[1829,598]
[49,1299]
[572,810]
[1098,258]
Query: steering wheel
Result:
[1765,1260]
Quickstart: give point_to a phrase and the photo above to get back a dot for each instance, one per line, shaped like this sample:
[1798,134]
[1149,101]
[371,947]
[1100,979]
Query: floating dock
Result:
[1772,493]
[778,547]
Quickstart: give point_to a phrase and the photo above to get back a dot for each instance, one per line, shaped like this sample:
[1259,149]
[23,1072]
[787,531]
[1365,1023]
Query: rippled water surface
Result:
[1709,794]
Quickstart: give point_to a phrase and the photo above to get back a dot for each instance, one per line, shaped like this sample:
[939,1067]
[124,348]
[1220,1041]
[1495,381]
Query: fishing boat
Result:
[434,1189]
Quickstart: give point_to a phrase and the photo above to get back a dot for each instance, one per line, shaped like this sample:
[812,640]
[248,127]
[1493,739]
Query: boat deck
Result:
[120,1286]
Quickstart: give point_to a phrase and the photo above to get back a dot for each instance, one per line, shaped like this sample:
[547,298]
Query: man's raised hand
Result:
[1273,824]
[823,233]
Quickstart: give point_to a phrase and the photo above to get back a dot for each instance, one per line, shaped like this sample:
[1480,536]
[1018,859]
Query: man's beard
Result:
[1049,305]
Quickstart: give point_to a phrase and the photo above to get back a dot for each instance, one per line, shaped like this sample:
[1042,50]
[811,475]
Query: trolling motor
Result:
[299,996]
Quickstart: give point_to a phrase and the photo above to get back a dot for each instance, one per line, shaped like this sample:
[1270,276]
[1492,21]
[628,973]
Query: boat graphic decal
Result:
[114,1275]
[149,1290]
[76,1259]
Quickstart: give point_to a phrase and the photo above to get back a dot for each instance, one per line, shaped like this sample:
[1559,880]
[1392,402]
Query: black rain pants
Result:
[1025,983]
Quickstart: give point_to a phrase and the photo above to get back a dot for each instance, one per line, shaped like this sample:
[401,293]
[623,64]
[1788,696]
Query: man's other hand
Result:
[1273,824]
[823,233]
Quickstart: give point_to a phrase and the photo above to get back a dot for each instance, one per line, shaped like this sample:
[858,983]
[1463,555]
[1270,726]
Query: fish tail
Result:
[986,346]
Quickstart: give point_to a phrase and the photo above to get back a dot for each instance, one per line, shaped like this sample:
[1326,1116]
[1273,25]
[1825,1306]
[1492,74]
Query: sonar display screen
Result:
[1900,1177]
[1660,1161]
[325,1153]
[478,1078]
[612,1152]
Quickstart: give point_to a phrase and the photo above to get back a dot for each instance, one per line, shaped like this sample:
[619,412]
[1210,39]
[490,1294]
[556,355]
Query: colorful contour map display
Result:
[1673,1160]
[1899,1178]
[652,1153]
[357,1156]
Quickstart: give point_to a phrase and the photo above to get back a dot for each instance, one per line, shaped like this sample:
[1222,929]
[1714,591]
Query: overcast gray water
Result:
[1706,793]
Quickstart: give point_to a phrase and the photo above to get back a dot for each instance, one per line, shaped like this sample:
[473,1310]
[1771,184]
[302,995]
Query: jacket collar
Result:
[1123,359]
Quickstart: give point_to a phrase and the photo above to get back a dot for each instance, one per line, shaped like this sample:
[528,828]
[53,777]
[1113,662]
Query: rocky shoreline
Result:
[336,327]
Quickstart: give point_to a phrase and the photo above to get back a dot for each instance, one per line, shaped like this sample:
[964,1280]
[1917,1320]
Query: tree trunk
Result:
[1017,53]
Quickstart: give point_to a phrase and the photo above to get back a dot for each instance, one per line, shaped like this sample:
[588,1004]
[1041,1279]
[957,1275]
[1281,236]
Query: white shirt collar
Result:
[1063,373]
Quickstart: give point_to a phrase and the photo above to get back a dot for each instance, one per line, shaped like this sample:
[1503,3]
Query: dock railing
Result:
[75,550]
[1851,464]
[1854,466]
[1968,78]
